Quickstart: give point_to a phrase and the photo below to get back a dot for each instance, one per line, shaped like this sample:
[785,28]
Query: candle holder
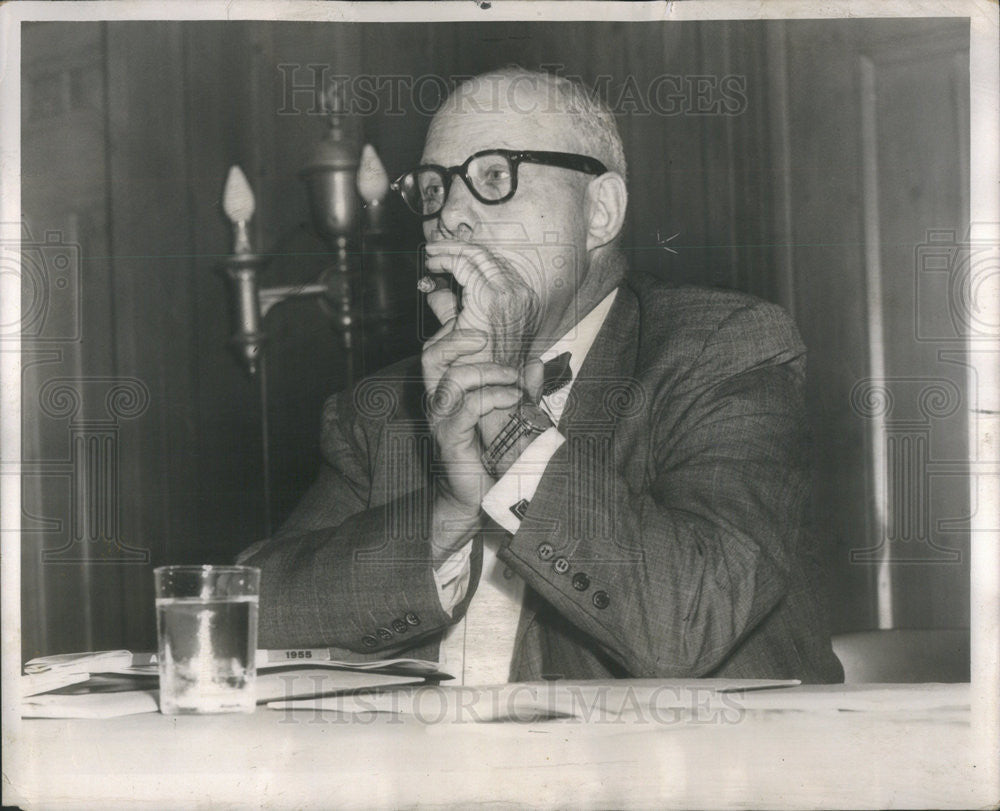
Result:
[335,189]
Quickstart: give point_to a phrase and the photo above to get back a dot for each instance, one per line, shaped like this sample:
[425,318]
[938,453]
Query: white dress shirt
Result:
[477,650]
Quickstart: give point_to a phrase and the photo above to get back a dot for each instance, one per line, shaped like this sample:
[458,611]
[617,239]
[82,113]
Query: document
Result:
[107,684]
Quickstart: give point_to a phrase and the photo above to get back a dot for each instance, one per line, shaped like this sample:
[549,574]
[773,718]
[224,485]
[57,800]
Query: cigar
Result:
[433,282]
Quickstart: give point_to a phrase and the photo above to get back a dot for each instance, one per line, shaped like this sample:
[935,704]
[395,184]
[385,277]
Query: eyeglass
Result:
[491,176]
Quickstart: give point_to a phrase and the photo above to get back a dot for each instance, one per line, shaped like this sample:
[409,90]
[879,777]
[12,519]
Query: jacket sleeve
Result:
[350,569]
[669,575]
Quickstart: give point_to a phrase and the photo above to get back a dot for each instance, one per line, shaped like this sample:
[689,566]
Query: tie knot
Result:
[556,374]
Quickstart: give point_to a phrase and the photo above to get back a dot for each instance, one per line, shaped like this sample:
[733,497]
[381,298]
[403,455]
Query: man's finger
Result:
[443,330]
[469,376]
[480,402]
[449,343]
[462,381]
[443,304]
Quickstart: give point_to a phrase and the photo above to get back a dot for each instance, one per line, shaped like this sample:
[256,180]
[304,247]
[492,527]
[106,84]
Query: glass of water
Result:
[206,619]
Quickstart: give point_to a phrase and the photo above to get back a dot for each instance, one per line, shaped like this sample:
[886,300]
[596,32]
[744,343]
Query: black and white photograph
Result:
[559,404]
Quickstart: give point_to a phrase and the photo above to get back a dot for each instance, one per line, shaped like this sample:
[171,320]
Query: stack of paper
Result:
[106,684]
[35,683]
[48,673]
[139,664]
[90,705]
[310,682]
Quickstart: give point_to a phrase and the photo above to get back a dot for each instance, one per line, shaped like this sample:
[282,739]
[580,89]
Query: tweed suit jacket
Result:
[677,502]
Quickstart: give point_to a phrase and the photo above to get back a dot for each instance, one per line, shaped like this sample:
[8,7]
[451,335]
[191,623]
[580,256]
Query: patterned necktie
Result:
[557,374]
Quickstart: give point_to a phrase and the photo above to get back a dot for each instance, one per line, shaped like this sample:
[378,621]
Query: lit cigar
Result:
[445,308]
[433,282]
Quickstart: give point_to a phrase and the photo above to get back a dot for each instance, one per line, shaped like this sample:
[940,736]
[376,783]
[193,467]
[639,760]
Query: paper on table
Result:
[862,698]
[444,704]
[90,705]
[144,664]
[290,684]
[91,662]
[318,681]
[324,657]
[35,683]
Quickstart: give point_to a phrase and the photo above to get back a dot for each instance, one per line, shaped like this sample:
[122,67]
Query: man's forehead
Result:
[497,115]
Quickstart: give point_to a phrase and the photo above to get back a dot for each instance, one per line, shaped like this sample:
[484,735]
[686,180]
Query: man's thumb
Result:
[532,378]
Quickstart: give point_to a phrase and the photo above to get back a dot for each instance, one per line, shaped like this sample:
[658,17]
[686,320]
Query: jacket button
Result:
[411,618]
[545,551]
[601,599]
[369,641]
[400,627]
[384,634]
[581,582]
[561,565]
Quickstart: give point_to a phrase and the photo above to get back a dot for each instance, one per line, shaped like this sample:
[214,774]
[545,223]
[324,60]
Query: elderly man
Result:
[583,475]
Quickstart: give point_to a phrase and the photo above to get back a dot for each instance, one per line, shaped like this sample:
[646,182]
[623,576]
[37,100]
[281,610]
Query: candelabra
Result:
[337,179]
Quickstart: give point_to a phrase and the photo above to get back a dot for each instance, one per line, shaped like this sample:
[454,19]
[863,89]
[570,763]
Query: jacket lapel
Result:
[606,373]
[609,368]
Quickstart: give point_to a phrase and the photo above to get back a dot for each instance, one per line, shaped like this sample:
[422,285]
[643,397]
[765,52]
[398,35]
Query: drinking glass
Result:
[206,620]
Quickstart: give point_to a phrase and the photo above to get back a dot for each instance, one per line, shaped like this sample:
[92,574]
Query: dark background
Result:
[814,179]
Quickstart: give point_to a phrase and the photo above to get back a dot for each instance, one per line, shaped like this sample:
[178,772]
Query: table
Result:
[857,746]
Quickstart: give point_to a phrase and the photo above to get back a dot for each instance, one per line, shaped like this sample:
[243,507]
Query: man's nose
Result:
[457,217]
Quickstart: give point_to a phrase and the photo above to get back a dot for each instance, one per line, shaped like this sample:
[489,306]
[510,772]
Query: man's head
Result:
[566,221]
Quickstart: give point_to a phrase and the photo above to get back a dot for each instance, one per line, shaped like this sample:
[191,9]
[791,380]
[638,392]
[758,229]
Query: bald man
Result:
[584,475]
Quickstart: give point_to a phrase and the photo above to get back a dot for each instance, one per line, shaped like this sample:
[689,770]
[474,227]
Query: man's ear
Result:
[607,199]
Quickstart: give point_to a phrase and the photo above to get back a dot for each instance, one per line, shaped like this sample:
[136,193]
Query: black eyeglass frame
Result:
[560,160]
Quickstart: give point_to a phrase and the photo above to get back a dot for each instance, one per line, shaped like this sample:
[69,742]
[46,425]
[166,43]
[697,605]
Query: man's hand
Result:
[496,296]
[472,377]
[468,407]
[468,389]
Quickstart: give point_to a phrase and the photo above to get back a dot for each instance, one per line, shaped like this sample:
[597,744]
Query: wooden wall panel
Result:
[824,173]
[219,131]
[64,199]
[871,170]
[153,296]
[306,357]
[920,192]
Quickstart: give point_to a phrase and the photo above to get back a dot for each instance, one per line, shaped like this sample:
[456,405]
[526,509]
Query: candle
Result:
[238,203]
[373,182]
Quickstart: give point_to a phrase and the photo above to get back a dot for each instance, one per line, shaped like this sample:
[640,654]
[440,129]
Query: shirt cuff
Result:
[521,480]
[452,578]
